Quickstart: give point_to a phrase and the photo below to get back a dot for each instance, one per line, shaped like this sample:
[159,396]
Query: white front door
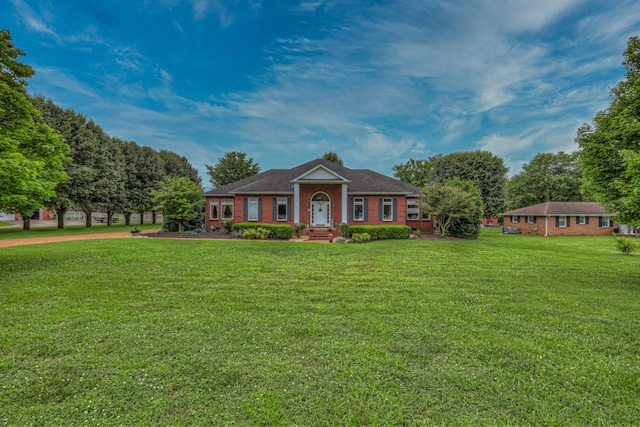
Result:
[320,214]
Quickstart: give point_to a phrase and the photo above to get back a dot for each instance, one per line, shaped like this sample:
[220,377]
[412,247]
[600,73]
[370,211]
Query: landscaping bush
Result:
[276,231]
[344,229]
[340,239]
[228,226]
[256,233]
[172,225]
[299,228]
[626,245]
[360,237]
[382,232]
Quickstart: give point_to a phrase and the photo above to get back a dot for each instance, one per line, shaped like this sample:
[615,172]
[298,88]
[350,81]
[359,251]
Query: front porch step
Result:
[319,233]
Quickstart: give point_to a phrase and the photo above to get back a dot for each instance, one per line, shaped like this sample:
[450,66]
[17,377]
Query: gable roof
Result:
[562,208]
[281,181]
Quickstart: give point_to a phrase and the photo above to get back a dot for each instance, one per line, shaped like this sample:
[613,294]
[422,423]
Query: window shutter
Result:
[600,222]
[366,209]
[557,221]
[586,220]
[351,209]
[380,209]
[260,209]
[535,219]
[274,209]
[568,221]
[288,208]
[246,209]
[395,209]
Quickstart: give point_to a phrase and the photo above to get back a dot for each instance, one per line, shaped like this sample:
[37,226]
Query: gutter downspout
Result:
[546,225]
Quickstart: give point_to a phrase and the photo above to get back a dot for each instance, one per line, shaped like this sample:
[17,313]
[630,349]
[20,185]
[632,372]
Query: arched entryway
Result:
[320,210]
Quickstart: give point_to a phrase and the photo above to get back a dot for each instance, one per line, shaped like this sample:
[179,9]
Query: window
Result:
[227,209]
[358,209]
[605,222]
[213,209]
[252,209]
[562,221]
[413,209]
[387,209]
[282,209]
[426,216]
[581,220]
[531,219]
[515,218]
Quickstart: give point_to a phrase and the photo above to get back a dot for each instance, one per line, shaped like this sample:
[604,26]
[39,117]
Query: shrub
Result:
[340,239]
[228,226]
[360,237]
[256,233]
[382,232]
[276,231]
[626,245]
[344,229]
[299,228]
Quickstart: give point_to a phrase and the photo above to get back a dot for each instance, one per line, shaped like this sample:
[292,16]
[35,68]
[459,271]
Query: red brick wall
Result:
[574,229]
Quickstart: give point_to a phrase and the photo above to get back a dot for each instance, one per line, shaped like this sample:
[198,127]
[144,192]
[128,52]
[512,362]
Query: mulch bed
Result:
[218,235]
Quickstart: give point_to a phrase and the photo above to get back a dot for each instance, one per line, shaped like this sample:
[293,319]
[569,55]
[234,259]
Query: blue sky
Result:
[377,82]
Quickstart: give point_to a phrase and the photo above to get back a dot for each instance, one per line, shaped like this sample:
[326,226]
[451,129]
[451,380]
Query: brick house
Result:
[562,219]
[320,194]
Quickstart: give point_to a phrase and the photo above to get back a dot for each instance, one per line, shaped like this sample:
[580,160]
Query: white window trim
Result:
[389,203]
[252,202]
[227,202]
[562,221]
[581,220]
[413,204]
[358,201]
[212,203]
[282,201]
[531,219]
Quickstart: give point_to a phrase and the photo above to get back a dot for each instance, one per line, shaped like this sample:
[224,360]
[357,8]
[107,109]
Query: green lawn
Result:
[518,330]
[18,233]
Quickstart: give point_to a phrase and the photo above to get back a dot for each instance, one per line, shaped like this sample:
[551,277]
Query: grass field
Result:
[18,233]
[518,330]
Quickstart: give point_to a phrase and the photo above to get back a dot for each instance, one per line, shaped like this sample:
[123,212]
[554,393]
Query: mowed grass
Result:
[505,330]
[18,233]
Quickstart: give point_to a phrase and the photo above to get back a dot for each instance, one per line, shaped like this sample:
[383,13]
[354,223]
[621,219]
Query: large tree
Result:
[610,147]
[232,167]
[448,202]
[467,226]
[175,166]
[485,170]
[333,157]
[415,172]
[31,153]
[144,171]
[181,201]
[547,177]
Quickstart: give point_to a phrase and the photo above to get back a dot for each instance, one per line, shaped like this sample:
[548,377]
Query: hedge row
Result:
[277,231]
[382,232]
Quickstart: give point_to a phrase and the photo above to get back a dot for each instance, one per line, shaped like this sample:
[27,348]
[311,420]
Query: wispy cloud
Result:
[33,21]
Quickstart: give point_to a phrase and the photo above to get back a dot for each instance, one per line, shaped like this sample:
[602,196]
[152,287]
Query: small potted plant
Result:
[135,231]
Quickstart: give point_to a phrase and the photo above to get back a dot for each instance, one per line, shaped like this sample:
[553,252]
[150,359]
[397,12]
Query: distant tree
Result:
[31,153]
[144,171]
[333,157]
[609,150]
[181,200]
[175,166]
[415,172]
[485,170]
[547,177]
[467,227]
[446,203]
[233,167]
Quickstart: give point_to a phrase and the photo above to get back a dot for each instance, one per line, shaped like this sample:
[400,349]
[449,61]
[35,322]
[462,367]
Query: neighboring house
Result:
[562,219]
[320,194]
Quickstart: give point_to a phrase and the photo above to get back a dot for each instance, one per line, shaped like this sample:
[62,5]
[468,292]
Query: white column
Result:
[296,203]
[345,204]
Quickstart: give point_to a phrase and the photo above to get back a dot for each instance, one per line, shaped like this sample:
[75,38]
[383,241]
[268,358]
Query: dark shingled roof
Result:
[562,208]
[278,181]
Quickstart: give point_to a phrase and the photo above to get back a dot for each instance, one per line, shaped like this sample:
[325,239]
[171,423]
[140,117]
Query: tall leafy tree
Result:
[415,172]
[181,200]
[609,148]
[232,167]
[144,171]
[31,153]
[448,202]
[485,170]
[547,177]
[175,166]
[467,226]
[333,157]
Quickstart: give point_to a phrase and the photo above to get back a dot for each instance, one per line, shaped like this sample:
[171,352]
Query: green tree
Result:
[144,171]
[31,153]
[181,200]
[174,166]
[467,227]
[333,157]
[547,177]
[415,172]
[609,149]
[485,170]
[448,202]
[232,167]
